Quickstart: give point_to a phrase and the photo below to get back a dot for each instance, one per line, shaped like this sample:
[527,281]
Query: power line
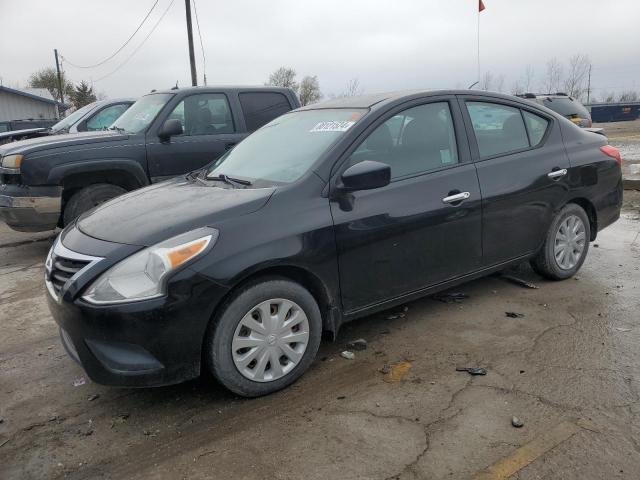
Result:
[120,49]
[204,60]
[139,46]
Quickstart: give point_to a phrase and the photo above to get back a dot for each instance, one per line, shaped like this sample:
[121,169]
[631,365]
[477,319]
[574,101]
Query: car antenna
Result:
[472,85]
[176,87]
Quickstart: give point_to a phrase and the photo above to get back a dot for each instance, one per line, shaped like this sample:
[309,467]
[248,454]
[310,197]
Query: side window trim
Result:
[471,136]
[463,149]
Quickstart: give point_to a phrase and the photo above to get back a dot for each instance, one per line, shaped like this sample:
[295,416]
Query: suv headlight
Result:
[143,275]
[12,161]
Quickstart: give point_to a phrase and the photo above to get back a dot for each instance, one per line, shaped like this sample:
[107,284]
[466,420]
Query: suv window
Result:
[565,106]
[105,117]
[498,128]
[416,140]
[204,114]
[260,108]
[536,126]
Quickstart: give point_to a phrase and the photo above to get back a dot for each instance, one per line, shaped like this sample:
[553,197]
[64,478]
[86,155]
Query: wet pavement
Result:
[569,368]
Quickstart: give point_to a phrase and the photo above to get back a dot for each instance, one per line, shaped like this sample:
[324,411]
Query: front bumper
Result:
[139,344]
[30,209]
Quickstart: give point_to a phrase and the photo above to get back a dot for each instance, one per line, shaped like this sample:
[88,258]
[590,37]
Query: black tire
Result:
[217,347]
[88,198]
[544,263]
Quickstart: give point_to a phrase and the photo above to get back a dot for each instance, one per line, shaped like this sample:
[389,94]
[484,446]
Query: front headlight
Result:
[12,161]
[143,275]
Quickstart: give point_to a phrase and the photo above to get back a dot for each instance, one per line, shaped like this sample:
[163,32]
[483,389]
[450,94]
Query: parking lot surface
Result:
[567,365]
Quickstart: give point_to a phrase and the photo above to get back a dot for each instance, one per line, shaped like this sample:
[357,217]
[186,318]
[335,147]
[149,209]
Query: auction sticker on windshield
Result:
[332,126]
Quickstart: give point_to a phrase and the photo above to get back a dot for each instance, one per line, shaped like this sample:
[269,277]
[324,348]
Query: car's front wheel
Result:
[264,338]
[87,198]
[566,244]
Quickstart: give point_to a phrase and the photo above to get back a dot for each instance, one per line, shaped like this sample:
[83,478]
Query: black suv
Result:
[47,182]
[563,104]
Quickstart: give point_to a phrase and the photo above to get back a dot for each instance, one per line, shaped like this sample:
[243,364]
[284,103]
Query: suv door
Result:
[410,234]
[209,130]
[522,167]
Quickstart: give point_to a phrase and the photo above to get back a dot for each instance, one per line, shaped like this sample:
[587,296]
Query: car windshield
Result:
[566,106]
[66,122]
[284,149]
[140,115]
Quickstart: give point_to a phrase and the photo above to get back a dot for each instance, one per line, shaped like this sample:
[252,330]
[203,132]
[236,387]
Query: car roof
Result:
[227,88]
[380,99]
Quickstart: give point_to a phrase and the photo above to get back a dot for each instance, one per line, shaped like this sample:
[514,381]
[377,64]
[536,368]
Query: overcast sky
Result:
[387,45]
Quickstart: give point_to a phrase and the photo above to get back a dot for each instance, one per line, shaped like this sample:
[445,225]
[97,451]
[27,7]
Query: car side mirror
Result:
[365,175]
[171,128]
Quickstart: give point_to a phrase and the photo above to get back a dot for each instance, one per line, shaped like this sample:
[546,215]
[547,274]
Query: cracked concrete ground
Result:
[569,369]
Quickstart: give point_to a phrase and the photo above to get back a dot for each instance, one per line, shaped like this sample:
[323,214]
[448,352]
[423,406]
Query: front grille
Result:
[62,269]
[62,265]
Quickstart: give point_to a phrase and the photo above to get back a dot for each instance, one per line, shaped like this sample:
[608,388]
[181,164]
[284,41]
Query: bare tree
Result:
[517,88]
[309,90]
[486,82]
[575,84]
[528,78]
[283,77]
[628,96]
[608,97]
[353,88]
[499,83]
[553,76]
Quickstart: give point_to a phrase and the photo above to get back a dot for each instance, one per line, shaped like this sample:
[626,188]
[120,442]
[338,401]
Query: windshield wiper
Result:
[230,180]
[118,129]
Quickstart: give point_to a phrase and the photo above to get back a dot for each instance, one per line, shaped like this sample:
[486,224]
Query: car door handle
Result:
[557,173]
[458,197]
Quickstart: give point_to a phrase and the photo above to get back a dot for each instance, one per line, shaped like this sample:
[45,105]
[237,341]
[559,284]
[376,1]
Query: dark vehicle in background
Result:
[26,124]
[47,182]
[92,117]
[563,104]
[326,214]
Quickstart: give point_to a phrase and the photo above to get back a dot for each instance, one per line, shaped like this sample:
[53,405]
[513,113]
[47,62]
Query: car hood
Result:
[150,215]
[54,141]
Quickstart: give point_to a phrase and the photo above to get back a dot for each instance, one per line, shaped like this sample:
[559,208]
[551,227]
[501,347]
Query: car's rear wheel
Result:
[87,198]
[566,244]
[264,338]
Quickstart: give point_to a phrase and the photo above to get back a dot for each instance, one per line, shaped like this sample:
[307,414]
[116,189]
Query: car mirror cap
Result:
[365,175]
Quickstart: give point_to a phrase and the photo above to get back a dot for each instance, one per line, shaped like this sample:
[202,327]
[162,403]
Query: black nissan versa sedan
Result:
[325,214]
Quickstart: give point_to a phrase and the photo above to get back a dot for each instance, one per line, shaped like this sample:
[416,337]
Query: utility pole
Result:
[192,58]
[589,85]
[55,51]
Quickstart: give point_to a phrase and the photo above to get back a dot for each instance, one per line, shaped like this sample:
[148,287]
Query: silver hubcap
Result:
[270,340]
[570,241]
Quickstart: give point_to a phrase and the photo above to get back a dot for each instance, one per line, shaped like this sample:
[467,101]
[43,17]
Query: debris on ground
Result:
[396,372]
[472,370]
[620,329]
[5,442]
[348,355]
[91,398]
[386,331]
[1,420]
[357,345]
[451,297]
[385,369]
[514,314]
[516,422]
[78,382]
[399,314]
[341,397]
[119,420]
[518,281]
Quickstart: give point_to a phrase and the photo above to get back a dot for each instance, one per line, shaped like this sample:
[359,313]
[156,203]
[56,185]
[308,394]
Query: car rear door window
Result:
[536,126]
[260,108]
[204,114]
[499,129]
[417,140]
[105,117]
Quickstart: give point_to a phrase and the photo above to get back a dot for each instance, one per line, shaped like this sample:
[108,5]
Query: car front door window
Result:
[204,114]
[415,141]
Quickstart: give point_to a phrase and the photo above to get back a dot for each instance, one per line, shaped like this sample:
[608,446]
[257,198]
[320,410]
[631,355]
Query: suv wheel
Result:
[566,244]
[87,198]
[264,338]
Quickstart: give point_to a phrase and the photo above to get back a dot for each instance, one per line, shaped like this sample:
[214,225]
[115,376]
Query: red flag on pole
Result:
[480,6]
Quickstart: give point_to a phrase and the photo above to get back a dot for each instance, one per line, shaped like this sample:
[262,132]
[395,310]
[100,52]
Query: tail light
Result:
[612,152]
